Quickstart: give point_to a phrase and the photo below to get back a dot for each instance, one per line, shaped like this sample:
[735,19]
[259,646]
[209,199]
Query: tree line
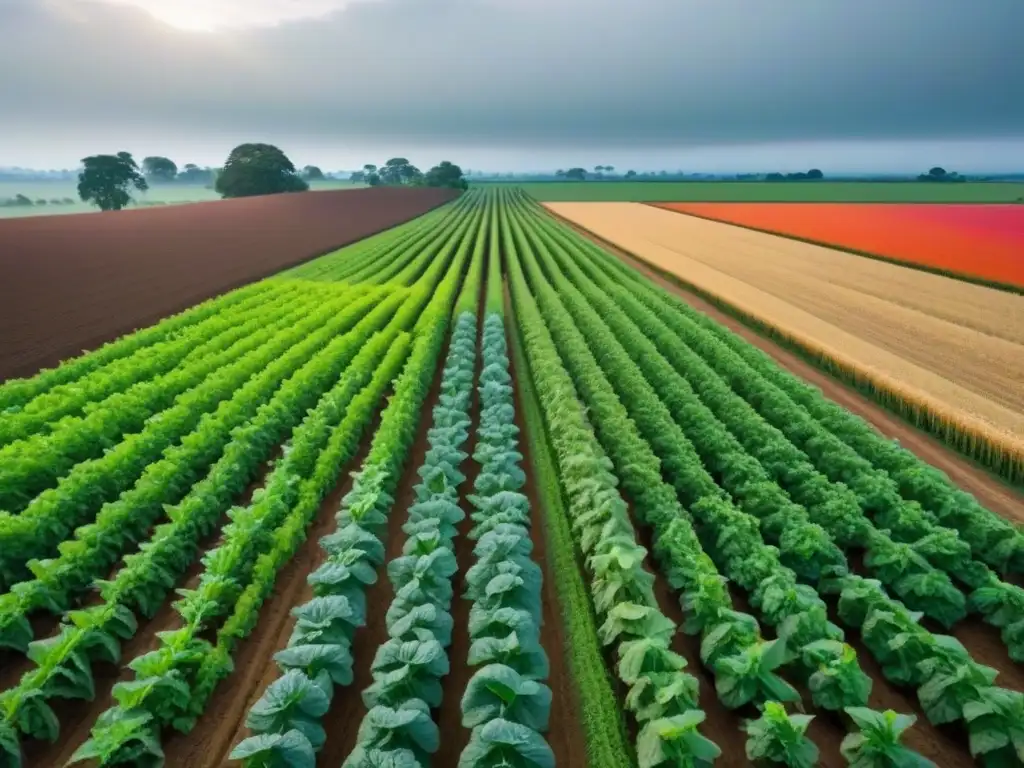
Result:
[108,181]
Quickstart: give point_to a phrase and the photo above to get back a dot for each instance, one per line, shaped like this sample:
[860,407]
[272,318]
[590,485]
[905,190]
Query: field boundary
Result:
[1007,468]
[952,274]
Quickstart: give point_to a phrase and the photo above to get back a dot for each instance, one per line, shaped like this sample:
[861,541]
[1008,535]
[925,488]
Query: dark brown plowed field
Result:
[71,283]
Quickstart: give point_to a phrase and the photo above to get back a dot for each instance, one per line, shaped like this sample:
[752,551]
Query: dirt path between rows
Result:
[990,491]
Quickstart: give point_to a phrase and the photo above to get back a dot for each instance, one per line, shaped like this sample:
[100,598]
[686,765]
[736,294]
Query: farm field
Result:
[96,277]
[157,195]
[473,492]
[760,191]
[953,349]
[982,243]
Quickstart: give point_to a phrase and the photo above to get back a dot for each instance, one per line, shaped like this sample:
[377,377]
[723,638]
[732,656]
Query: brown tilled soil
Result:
[71,283]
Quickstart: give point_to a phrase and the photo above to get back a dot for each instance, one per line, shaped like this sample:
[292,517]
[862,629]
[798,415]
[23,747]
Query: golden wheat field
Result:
[954,347]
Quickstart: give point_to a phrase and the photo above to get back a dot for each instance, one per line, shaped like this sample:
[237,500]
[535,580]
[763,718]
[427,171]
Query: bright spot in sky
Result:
[217,15]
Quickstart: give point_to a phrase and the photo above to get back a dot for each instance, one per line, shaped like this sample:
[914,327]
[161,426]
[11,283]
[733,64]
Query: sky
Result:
[698,85]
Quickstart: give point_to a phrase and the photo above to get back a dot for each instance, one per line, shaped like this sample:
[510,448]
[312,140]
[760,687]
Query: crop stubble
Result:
[957,345]
[69,283]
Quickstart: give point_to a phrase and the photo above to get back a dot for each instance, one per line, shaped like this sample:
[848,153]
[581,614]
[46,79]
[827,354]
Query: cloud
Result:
[522,73]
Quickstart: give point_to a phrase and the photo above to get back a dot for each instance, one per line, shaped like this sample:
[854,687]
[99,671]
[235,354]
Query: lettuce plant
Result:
[995,723]
[496,691]
[503,743]
[877,742]
[676,742]
[780,738]
[749,676]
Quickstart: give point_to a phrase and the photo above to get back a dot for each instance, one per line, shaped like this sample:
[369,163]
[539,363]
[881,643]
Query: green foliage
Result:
[877,742]
[159,169]
[258,169]
[780,738]
[106,181]
[675,741]
[446,174]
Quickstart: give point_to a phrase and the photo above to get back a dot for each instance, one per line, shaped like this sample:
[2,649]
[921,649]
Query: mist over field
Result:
[518,84]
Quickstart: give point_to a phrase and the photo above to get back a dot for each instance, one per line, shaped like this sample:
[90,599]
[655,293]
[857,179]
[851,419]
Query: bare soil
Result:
[71,283]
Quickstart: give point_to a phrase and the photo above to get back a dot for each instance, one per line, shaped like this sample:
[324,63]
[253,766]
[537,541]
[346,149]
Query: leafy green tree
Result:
[398,171]
[370,175]
[105,180]
[576,174]
[814,173]
[159,169]
[258,169]
[446,174]
[630,174]
[312,173]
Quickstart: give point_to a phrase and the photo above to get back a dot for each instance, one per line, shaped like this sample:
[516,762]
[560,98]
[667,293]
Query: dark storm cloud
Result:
[526,72]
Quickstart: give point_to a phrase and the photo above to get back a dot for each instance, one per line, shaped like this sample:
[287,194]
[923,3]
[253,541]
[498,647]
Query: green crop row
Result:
[96,546]
[30,466]
[40,415]
[594,702]
[172,683]
[147,576]
[661,695]
[53,515]
[950,685]
[285,721]
[505,704]
[16,392]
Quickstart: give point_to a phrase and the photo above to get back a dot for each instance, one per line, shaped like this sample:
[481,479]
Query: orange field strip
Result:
[955,347]
[980,242]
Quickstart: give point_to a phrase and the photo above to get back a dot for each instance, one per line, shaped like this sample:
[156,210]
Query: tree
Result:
[398,171]
[576,174]
[814,173]
[159,169]
[258,169]
[312,173]
[446,174]
[630,174]
[357,176]
[193,174]
[105,180]
[370,174]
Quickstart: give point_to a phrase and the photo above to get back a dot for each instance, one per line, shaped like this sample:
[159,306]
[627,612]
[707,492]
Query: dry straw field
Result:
[944,349]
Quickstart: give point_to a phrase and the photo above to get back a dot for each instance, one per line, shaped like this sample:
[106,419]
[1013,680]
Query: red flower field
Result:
[978,241]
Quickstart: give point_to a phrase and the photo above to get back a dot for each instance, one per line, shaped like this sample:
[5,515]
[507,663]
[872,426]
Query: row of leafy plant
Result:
[747,672]
[992,539]
[932,671]
[173,682]
[408,667]
[912,554]
[506,703]
[661,695]
[592,697]
[37,463]
[15,393]
[311,364]
[745,665]
[41,414]
[64,662]
[38,531]
[286,720]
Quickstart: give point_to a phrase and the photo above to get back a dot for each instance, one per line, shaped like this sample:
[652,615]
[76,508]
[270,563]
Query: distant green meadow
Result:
[768,191]
[163,194]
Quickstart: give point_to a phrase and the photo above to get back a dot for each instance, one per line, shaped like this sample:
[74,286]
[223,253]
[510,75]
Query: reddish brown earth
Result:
[71,283]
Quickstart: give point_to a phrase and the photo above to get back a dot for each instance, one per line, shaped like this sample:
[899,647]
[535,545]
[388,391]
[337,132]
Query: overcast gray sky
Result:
[519,84]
